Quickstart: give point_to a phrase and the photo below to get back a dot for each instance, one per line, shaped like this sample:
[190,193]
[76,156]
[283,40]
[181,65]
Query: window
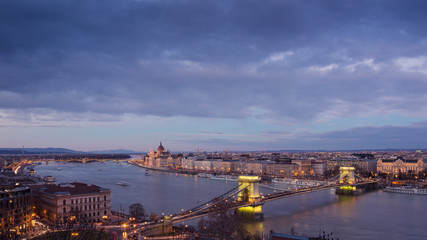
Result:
[64,209]
[64,202]
[72,201]
[105,198]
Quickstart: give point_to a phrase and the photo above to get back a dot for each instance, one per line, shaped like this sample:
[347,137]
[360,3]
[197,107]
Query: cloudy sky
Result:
[214,75]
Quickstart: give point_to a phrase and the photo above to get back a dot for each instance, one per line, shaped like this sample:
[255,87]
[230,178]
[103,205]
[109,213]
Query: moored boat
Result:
[204,175]
[49,179]
[224,178]
[406,190]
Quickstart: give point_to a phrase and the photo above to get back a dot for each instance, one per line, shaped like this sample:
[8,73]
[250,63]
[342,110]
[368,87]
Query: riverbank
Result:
[170,170]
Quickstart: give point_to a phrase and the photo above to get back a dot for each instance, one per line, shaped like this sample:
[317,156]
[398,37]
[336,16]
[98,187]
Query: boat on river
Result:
[406,190]
[49,179]
[224,178]
[122,183]
[204,175]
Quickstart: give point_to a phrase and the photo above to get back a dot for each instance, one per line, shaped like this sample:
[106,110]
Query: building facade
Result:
[72,200]
[400,165]
[15,209]
[160,158]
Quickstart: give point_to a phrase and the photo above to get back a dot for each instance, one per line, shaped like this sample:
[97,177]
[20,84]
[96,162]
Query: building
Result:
[319,167]
[73,200]
[365,165]
[400,165]
[160,158]
[304,167]
[281,169]
[188,162]
[15,210]
[203,165]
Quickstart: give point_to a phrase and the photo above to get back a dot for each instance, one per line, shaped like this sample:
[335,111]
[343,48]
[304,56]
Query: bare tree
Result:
[137,211]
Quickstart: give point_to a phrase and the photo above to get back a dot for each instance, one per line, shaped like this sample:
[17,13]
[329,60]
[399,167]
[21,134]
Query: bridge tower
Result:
[347,175]
[249,192]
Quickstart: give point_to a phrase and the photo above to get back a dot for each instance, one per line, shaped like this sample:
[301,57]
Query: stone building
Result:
[188,162]
[281,169]
[15,209]
[160,158]
[399,164]
[73,200]
[203,165]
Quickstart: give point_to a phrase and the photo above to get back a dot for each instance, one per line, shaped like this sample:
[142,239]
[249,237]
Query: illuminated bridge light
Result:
[249,178]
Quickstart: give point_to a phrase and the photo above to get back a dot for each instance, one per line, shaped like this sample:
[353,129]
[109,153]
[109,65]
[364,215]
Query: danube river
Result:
[375,215]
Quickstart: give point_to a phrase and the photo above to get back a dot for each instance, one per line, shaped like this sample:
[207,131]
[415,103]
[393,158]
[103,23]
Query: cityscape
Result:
[213,120]
[40,206]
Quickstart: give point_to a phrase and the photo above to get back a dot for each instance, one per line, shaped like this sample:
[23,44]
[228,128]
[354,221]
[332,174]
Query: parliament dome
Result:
[160,148]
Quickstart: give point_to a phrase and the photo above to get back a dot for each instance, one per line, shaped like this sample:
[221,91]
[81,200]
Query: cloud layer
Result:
[279,62]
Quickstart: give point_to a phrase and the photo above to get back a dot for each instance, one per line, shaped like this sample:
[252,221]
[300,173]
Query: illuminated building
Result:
[399,164]
[188,162]
[281,169]
[159,158]
[203,165]
[74,200]
[15,209]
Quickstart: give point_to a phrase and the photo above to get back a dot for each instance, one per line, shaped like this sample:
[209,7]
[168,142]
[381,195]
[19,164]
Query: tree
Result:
[153,216]
[202,226]
[137,211]
[224,224]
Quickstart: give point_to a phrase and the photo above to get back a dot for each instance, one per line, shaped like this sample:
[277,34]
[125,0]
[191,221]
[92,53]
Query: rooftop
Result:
[74,188]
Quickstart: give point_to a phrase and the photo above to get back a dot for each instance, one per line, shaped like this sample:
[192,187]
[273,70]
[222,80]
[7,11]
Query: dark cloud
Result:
[361,138]
[210,58]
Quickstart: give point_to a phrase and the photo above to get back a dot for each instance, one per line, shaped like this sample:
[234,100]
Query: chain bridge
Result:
[249,201]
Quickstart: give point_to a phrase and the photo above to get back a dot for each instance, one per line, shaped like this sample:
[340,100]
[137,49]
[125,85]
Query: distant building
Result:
[159,158]
[319,167]
[15,209]
[399,164]
[304,166]
[73,200]
[366,165]
[203,165]
[281,169]
[188,162]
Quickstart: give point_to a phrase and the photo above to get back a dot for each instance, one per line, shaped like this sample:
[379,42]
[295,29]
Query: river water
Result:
[374,215]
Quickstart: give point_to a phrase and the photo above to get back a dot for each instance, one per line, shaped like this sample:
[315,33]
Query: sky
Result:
[213,75]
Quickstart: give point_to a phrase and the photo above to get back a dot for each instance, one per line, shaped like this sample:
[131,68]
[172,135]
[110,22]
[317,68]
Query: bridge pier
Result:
[249,193]
[347,176]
